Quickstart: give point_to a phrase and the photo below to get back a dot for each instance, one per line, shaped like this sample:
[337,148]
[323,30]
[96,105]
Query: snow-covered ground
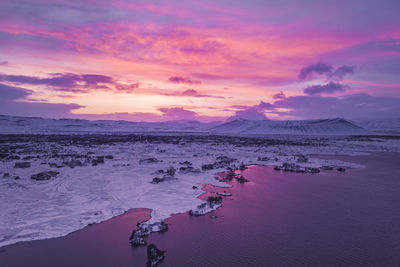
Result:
[102,176]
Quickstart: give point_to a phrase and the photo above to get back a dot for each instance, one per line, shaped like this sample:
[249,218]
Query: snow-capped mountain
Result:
[322,126]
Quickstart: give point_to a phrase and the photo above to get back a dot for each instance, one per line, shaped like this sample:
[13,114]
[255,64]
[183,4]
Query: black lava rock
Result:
[22,165]
[47,175]
[154,255]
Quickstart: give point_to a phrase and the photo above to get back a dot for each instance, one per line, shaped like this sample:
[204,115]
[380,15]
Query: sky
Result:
[202,60]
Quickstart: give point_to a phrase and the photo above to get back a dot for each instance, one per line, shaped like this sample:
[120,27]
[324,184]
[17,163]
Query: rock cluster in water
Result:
[154,255]
[211,204]
[292,167]
[145,229]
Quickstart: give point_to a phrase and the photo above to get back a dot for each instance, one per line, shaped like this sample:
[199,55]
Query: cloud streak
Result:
[329,88]
[178,79]
[70,82]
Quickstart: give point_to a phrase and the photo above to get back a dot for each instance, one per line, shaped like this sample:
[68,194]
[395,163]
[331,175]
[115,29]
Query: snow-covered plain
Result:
[96,191]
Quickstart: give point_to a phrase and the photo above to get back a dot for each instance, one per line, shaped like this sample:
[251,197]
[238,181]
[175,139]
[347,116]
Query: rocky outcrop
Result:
[22,165]
[232,175]
[148,160]
[145,229]
[47,175]
[263,158]
[167,175]
[154,255]
[72,163]
[211,204]
[327,168]
[292,167]
[98,160]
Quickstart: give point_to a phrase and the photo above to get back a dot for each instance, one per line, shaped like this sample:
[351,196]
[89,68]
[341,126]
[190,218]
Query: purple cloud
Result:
[178,113]
[255,112]
[329,88]
[178,79]
[250,113]
[349,106]
[340,72]
[265,106]
[4,63]
[70,82]
[13,102]
[319,68]
[279,95]
[12,93]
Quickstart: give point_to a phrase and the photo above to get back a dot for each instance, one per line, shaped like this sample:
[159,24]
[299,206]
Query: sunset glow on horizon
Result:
[199,60]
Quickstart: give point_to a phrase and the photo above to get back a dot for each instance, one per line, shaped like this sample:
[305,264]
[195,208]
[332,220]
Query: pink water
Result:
[277,219]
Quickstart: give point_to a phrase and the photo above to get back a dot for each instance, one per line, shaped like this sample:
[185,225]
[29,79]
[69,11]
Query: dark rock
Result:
[214,200]
[6,175]
[241,179]
[312,170]
[223,162]
[301,158]
[55,165]
[194,187]
[154,255]
[47,175]
[188,169]
[327,168]
[231,174]
[206,207]
[73,163]
[263,159]
[98,160]
[170,171]
[242,167]
[291,167]
[187,163]
[109,157]
[340,169]
[148,160]
[145,229]
[169,174]
[157,180]
[22,164]
[206,167]
[213,216]
[17,178]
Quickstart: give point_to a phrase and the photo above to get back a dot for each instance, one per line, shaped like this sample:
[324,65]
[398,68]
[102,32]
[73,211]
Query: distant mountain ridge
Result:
[336,126]
[321,126]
